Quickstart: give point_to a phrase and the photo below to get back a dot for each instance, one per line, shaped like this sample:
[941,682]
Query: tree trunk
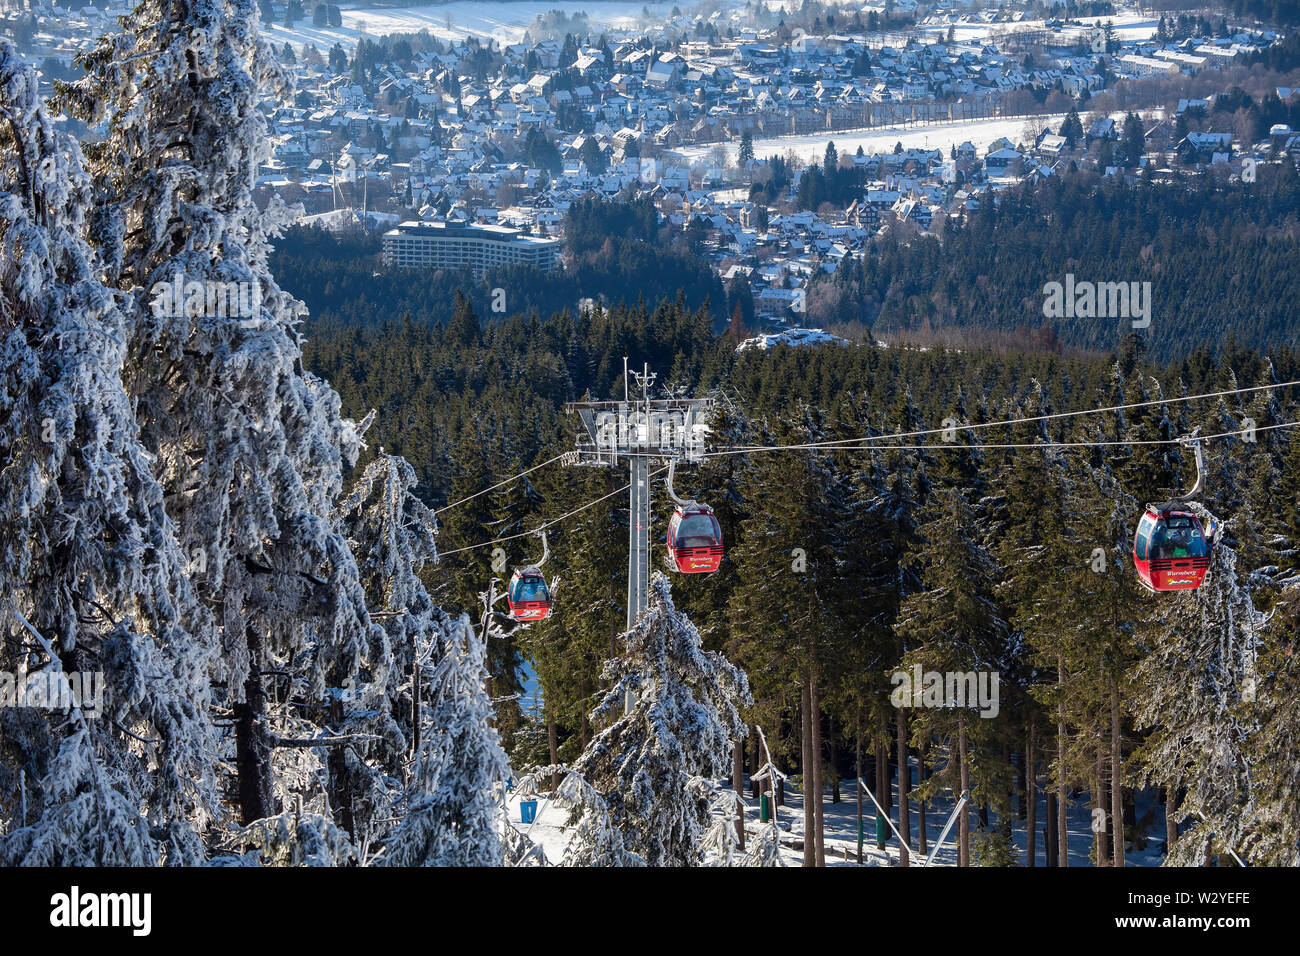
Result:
[805,739]
[835,763]
[904,785]
[252,745]
[922,838]
[738,785]
[1062,797]
[1100,837]
[1009,794]
[1050,832]
[1031,795]
[963,821]
[1116,777]
[816,744]
[881,788]
[857,788]
[341,790]
[415,703]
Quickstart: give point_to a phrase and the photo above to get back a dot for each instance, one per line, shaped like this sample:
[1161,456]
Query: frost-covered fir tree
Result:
[1274,837]
[392,534]
[454,815]
[1196,693]
[91,576]
[652,763]
[720,845]
[249,447]
[594,841]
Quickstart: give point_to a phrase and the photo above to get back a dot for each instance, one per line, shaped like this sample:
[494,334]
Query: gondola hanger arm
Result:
[672,465]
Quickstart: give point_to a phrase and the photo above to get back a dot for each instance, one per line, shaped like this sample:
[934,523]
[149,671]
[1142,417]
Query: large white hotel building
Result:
[473,246]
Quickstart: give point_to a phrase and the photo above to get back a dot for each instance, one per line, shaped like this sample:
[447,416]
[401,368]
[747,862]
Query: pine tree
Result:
[92,570]
[391,532]
[454,816]
[250,448]
[1196,692]
[595,840]
[953,625]
[651,764]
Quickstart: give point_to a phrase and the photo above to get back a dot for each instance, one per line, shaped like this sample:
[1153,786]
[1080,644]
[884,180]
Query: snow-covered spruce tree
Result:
[720,845]
[652,763]
[453,816]
[91,576]
[1274,837]
[765,846]
[595,840]
[291,839]
[954,625]
[1194,691]
[249,447]
[391,533]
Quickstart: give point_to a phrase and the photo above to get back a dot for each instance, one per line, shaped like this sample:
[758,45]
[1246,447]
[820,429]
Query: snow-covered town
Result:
[435,116]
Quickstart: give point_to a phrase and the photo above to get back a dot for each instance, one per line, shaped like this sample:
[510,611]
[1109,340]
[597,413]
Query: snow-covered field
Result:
[1127,26]
[550,831]
[506,21]
[812,147]
[943,136]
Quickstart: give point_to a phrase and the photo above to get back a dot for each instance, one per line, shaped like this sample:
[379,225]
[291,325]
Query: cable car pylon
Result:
[642,431]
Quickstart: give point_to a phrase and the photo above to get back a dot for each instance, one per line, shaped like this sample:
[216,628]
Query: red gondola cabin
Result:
[529,597]
[1171,549]
[695,540]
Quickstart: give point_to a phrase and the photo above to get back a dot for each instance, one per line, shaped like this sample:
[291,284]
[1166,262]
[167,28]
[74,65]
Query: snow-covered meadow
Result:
[811,147]
[1127,27]
[505,21]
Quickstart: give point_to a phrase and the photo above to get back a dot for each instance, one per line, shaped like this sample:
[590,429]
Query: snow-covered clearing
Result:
[811,147]
[1127,27]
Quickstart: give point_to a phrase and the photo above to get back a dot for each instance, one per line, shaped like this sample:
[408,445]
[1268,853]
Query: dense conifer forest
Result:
[844,566]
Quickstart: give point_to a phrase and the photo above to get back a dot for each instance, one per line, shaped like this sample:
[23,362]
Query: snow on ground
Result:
[841,828]
[942,136]
[505,21]
[812,147]
[1127,27]
[793,337]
